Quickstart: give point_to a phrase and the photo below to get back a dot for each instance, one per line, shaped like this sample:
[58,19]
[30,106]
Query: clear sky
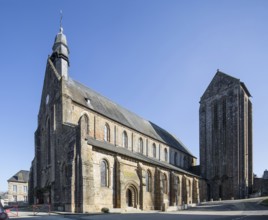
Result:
[155,58]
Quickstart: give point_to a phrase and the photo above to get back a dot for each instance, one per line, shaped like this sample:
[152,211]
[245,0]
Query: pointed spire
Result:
[60,54]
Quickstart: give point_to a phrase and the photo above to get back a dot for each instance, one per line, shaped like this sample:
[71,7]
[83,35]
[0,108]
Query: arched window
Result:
[141,145]
[166,154]
[104,173]
[125,139]
[85,122]
[176,158]
[148,181]
[164,183]
[154,150]
[107,133]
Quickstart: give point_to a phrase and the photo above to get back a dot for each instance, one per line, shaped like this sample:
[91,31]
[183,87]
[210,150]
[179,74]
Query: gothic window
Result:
[166,154]
[154,150]
[175,158]
[104,173]
[164,183]
[107,133]
[125,139]
[148,181]
[141,145]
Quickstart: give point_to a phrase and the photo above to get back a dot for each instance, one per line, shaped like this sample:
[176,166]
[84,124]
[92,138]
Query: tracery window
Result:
[125,139]
[107,133]
[104,171]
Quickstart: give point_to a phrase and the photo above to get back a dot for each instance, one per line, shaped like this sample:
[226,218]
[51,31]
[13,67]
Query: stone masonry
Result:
[225,116]
[90,153]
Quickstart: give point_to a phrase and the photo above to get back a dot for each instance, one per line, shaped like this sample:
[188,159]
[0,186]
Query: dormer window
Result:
[88,101]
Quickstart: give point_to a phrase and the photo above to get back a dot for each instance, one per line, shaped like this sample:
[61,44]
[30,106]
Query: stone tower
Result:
[48,136]
[225,120]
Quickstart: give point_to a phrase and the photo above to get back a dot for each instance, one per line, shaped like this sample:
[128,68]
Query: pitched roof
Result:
[136,155]
[222,82]
[98,103]
[21,176]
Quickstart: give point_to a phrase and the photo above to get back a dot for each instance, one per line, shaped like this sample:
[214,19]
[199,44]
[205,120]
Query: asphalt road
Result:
[250,209]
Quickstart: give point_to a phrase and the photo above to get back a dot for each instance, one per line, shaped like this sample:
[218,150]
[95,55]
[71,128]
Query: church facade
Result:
[225,119]
[91,153]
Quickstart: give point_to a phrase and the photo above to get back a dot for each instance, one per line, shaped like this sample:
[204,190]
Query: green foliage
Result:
[105,210]
[265,202]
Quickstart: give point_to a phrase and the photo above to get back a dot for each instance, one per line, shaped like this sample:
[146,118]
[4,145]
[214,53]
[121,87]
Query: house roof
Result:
[21,176]
[100,104]
[136,155]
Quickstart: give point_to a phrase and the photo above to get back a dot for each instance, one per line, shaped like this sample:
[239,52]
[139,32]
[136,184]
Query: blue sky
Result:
[155,58]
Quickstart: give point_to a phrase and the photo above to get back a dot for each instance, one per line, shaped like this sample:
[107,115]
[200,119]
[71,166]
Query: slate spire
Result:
[60,54]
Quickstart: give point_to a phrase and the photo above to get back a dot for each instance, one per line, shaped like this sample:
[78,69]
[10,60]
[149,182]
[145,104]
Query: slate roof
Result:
[21,176]
[98,103]
[224,79]
[138,156]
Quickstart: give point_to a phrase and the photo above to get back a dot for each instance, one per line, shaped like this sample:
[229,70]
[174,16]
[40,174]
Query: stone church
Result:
[91,153]
[225,117]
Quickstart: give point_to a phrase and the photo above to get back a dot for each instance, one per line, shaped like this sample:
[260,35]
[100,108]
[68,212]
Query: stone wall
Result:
[66,169]
[225,120]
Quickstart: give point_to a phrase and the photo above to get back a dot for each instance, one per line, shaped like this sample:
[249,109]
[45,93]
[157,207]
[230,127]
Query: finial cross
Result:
[61,15]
